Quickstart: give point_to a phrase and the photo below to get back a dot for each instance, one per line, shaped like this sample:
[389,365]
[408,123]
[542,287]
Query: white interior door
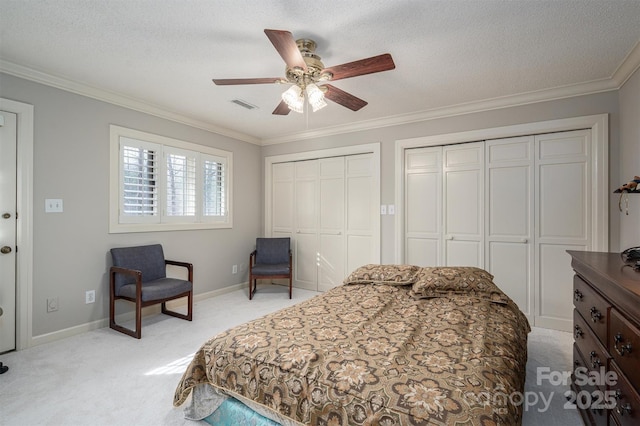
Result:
[562,221]
[509,241]
[331,238]
[306,255]
[361,212]
[282,196]
[423,206]
[464,204]
[8,198]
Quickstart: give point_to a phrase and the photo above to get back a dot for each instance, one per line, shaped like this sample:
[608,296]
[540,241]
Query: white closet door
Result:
[361,213]
[423,206]
[332,217]
[563,220]
[306,255]
[509,218]
[464,204]
[282,196]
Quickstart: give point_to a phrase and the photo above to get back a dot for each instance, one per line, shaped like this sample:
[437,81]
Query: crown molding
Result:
[628,67]
[27,73]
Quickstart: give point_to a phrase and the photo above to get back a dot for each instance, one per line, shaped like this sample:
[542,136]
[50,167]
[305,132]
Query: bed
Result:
[394,345]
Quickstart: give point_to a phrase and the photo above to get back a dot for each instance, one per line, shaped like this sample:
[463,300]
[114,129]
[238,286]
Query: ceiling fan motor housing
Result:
[314,73]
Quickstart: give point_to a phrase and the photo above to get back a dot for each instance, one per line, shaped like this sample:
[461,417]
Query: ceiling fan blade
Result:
[343,98]
[286,46]
[371,65]
[233,81]
[281,109]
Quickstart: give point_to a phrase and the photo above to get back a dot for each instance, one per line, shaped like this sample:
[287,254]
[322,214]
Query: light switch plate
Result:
[391,209]
[53,205]
[383,209]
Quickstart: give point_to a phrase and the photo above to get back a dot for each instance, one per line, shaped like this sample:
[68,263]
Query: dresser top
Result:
[613,278]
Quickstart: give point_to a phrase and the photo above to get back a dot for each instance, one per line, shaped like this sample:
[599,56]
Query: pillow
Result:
[383,274]
[452,280]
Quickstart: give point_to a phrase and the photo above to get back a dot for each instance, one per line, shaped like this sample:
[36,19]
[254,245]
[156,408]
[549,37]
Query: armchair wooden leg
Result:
[188,316]
[137,333]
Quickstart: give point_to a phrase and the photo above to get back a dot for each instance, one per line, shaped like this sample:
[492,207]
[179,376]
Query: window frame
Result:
[162,222]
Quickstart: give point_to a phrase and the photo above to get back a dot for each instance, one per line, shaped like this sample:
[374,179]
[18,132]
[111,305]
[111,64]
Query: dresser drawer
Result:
[592,306]
[627,410]
[624,346]
[595,355]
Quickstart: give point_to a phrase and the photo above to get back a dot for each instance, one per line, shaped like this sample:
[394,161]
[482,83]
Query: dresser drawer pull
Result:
[595,314]
[577,332]
[619,347]
[577,295]
[595,361]
[624,408]
[621,408]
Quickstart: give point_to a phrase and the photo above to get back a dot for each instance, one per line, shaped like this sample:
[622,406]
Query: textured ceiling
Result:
[451,56]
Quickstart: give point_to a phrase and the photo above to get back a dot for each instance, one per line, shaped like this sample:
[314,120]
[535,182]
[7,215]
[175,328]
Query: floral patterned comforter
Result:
[371,354]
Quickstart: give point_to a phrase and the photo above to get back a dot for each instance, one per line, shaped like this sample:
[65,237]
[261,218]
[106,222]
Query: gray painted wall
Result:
[71,161]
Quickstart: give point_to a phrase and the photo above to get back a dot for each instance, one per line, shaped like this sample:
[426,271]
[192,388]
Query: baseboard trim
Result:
[151,310]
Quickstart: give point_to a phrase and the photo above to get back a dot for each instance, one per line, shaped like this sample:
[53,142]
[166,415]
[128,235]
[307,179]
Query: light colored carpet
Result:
[107,378]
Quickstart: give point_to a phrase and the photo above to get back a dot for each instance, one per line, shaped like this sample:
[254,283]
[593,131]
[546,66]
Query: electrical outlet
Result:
[90,296]
[52,304]
[234,269]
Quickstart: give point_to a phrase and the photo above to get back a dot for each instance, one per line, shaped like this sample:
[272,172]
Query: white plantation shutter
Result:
[215,188]
[180,183]
[161,184]
[139,181]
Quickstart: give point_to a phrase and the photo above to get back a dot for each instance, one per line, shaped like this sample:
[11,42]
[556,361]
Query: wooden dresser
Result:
[606,322]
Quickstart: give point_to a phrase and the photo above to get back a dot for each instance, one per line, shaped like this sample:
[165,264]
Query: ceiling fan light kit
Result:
[308,76]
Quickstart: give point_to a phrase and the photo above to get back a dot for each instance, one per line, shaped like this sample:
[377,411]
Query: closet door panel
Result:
[509,202]
[331,257]
[463,178]
[464,203]
[563,206]
[509,224]
[359,204]
[555,290]
[464,253]
[358,252]
[306,259]
[423,251]
[361,212]
[563,221]
[512,269]
[423,208]
[331,261]
[306,224]
[282,198]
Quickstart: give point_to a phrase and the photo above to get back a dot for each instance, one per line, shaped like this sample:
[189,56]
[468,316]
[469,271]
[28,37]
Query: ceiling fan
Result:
[308,76]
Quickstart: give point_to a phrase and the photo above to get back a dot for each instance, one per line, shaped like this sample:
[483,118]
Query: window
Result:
[159,184]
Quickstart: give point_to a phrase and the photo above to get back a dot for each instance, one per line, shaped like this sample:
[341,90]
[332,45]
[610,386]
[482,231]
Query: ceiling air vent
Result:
[244,104]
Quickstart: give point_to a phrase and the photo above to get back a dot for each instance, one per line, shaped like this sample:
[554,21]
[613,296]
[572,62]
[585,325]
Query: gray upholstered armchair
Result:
[271,259]
[139,275]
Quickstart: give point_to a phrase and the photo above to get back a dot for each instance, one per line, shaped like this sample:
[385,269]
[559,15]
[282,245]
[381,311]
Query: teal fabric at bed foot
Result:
[233,413]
